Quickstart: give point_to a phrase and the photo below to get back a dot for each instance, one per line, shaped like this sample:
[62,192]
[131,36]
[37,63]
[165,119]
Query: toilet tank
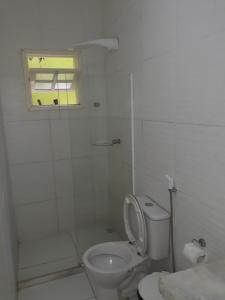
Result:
[157,223]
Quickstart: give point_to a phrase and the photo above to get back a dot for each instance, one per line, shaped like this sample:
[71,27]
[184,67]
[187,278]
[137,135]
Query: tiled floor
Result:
[74,287]
[40,257]
[53,254]
[87,237]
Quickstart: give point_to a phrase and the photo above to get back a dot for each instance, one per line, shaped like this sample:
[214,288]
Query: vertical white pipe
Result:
[132,131]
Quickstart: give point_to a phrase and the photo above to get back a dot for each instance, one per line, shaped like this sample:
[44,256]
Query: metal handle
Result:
[201,242]
[116,142]
[106,144]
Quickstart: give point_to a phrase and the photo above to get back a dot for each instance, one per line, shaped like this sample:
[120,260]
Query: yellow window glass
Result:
[52,80]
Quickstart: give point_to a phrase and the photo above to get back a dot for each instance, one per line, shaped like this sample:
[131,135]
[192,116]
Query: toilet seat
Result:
[149,287]
[112,257]
[136,233]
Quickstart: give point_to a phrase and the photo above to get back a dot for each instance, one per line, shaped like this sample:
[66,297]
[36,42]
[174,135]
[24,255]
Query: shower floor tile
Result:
[69,288]
[52,254]
[87,237]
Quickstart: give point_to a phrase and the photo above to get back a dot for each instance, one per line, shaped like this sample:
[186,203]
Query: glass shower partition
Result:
[101,158]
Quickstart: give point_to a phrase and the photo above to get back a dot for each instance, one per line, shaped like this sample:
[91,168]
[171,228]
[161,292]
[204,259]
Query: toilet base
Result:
[109,294]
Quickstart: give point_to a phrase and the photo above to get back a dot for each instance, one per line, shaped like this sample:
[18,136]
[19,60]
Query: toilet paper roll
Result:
[195,254]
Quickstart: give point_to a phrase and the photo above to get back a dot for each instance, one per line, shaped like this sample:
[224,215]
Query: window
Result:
[52,79]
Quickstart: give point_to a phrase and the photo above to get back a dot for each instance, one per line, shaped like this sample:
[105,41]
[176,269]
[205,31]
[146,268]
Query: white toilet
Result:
[121,265]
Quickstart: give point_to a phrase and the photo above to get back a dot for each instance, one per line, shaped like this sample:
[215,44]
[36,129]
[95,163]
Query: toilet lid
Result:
[135,223]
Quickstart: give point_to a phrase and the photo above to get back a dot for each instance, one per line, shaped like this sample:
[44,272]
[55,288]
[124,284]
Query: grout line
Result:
[49,277]
[179,123]
[54,175]
[59,259]
[48,161]
[74,240]
[35,202]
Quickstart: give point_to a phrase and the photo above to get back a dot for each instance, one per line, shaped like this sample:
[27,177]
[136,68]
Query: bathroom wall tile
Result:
[73,12]
[84,191]
[102,207]
[60,135]
[154,86]
[28,141]
[32,182]
[80,137]
[45,136]
[93,15]
[179,86]
[200,79]
[119,94]
[202,20]
[36,220]
[126,146]
[156,152]
[159,27]
[85,209]
[192,219]
[82,174]
[100,173]
[130,50]
[65,211]
[99,129]
[200,163]
[148,184]
[14,101]
[64,178]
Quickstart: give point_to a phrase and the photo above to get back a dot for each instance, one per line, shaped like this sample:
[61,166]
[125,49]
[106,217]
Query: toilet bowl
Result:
[109,264]
[115,264]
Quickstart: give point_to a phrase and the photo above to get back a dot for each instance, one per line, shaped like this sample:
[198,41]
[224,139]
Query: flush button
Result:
[149,204]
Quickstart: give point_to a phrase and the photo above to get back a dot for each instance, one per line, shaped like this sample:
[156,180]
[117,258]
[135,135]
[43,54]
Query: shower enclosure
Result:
[92,166]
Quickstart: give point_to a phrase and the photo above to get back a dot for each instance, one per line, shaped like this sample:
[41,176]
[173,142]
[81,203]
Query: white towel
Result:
[203,282]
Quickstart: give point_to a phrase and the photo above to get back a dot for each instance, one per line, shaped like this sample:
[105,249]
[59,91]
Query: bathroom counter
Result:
[203,282]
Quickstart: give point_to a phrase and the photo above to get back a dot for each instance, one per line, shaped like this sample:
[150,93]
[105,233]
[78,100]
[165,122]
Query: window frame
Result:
[64,53]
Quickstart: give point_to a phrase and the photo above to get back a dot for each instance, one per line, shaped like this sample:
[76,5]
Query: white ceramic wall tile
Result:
[83,191]
[100,173]
[80,136]
[60,135]
[202,18]
[193,219]
[83,174]
[102,207]
[182,82]
[199,89]
[64,178]
[32,182]
[154,88]
[159,27]
[200,163]
[14,101]
[28,141]
[66,213]
[99,130]
[36,220]
[49,136]
[156,152]
[130,50]
[119,94]
[148,184]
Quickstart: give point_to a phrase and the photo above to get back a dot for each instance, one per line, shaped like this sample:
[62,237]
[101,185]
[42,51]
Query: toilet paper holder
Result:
[201,242]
